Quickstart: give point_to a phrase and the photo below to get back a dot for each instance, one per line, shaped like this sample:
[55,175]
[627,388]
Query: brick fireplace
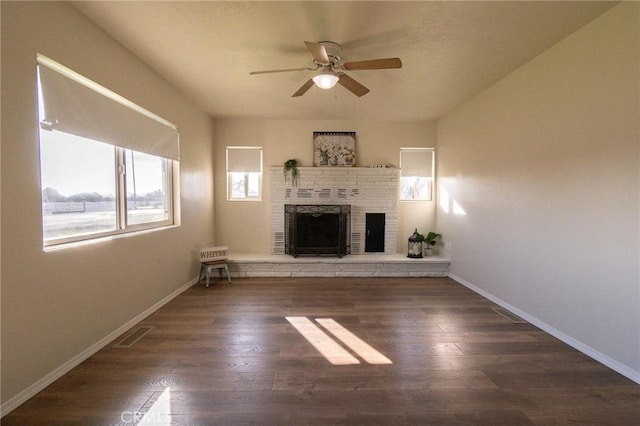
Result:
[366,190]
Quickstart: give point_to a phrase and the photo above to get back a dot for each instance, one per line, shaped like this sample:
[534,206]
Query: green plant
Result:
[291,168]
[431,238]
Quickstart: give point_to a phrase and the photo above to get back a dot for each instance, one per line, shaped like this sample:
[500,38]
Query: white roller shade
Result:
[244,159]
[77,105]
[416,162]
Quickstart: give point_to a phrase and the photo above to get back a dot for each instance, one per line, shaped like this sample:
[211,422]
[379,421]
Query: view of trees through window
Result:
[81,185]
[416,173]
[244,173]
[415,188]
[146,183]
[244,185]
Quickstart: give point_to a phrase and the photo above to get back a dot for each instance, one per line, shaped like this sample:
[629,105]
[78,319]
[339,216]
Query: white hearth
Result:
[368,265]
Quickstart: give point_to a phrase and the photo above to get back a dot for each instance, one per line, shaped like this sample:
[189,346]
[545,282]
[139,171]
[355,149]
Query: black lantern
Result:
[415,245]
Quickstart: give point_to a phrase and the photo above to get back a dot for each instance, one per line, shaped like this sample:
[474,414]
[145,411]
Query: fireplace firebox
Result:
[317,230]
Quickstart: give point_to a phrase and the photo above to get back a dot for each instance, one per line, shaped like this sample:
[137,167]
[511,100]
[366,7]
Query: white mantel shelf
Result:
[367,265]
[333,169]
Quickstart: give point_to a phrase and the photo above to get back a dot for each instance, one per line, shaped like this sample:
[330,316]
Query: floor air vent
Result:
[133,337]
[510,316]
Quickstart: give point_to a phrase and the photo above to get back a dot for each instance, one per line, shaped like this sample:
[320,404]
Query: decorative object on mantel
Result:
[334,149]
[430,240]
[291,168]
[415,245]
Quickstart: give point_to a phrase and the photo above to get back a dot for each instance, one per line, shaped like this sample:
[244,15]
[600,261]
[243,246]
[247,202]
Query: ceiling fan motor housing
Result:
[334,52]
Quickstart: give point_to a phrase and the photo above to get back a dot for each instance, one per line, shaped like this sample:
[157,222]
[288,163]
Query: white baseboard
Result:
[29,392]
[623,369]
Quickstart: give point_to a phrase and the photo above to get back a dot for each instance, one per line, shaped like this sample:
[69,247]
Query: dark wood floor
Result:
[227,355]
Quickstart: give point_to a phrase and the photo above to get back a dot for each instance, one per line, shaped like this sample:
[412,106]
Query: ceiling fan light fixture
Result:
[325,79]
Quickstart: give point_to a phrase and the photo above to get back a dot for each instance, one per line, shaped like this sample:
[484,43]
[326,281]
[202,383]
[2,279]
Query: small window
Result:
[106,164]
[244,173]
[416,174]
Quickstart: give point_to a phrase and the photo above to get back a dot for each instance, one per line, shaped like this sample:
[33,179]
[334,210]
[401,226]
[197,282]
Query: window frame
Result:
[122,225]
[168,186]
[430,178]
[170,166]
[257,170]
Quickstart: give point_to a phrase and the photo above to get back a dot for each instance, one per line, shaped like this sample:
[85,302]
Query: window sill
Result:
[102,239]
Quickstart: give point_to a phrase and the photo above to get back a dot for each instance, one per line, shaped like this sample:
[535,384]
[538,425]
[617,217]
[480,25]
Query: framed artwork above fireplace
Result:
[334,149]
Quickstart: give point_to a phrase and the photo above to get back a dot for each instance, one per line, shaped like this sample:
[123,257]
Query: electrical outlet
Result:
[447,245]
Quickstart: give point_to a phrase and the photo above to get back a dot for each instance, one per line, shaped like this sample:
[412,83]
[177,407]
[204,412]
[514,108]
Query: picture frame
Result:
[334,149]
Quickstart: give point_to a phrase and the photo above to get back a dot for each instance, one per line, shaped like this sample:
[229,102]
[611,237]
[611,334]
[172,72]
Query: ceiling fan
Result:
[330,68]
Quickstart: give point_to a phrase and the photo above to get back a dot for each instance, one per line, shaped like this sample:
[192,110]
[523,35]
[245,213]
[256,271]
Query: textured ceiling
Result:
[450,50]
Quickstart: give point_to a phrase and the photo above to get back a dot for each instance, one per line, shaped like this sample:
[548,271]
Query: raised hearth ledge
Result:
[367,265]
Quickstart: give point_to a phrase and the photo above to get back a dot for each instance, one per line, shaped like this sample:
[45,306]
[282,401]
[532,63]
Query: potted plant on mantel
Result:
[291,168]
[430,240]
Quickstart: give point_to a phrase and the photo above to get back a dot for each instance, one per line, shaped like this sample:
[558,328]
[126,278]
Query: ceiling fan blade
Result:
[352,85]
[283,70]
[302,90]
[374,64]
[318,52]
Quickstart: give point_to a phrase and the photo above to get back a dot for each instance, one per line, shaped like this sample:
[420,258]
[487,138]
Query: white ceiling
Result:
[450,50]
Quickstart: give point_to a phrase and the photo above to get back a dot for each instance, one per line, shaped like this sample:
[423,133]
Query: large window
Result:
[416,173]
[106,165]
[244,173]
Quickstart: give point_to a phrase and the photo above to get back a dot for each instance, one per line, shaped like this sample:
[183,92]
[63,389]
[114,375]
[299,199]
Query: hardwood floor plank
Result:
[543,378]
[421,336]
[468,326]
[585,416]
[479,348]
[381,379]
[605,397]
[49,406]
[141,381]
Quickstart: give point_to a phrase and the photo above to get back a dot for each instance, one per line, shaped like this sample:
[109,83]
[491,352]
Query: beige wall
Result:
[545,165]
[57,304]
[244,226]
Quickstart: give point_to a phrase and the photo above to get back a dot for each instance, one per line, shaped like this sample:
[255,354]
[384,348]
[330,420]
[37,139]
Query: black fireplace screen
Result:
[317,230]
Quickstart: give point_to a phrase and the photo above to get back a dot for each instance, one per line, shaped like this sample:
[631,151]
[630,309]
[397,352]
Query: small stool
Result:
[208,268]
[214,258]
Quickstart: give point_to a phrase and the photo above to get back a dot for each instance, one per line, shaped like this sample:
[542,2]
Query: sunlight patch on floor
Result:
[160,411]
[332,350]
[359,346]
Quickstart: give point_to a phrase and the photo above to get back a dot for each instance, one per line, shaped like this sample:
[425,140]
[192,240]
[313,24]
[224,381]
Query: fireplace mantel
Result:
[342,170]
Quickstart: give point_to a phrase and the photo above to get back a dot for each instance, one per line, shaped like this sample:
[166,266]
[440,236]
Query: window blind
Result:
[416,162]
[244,159]
[74,104]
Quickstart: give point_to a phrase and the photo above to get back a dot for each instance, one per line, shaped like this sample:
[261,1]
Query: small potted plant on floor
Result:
[430,241]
